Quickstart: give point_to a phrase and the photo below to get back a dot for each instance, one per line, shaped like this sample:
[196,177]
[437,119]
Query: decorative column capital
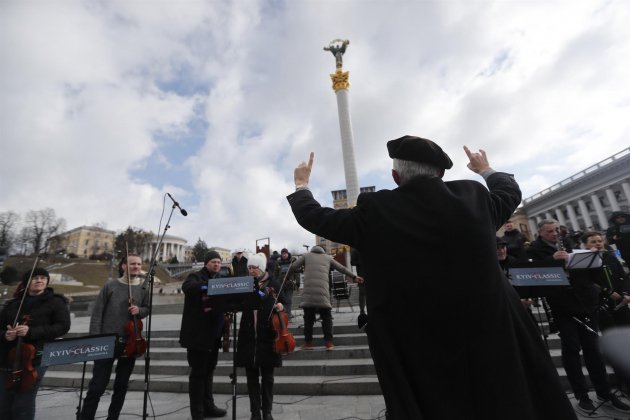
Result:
[340,80]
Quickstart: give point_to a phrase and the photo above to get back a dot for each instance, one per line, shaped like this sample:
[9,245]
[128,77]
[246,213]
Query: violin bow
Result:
[127,271]
[281,286]
[28,284]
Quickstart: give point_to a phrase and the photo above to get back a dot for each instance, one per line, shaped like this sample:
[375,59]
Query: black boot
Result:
[255,416]
[362,320]
[209,408]
[214,411]
[267,416]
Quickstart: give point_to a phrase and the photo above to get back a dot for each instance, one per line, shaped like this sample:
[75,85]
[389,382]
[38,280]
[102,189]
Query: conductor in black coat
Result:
[449,340]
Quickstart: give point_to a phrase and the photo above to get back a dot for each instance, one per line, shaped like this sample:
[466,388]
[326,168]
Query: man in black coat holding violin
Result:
[449,340]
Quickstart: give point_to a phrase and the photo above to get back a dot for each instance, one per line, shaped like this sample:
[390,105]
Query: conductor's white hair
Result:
[408,169]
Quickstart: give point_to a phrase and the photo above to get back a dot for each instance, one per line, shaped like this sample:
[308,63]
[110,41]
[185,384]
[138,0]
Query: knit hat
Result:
[284,250]
[211,255]
[417,149]
[37,272]
[258,260]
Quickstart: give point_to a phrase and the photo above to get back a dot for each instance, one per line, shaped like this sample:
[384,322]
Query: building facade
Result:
[83,241]
[226,254]
[171,247]
[586,200]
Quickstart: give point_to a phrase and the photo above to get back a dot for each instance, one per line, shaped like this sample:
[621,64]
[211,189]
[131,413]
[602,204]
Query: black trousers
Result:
[309,321]
[260,393]
[202,364]
[101,373]
[574,336]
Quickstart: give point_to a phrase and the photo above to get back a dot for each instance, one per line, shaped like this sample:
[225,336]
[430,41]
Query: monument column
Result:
[341,85]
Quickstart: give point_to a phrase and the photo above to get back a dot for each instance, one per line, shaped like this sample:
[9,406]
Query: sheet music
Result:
[583,258]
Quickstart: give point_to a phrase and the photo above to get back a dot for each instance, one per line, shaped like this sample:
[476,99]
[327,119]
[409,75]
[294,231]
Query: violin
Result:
[136,345]
[285,342]
[23,375]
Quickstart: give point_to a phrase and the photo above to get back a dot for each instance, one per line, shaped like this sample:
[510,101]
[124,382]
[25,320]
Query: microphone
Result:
[176,204]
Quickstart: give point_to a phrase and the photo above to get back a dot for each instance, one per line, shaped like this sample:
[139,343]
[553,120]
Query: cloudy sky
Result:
[107,105]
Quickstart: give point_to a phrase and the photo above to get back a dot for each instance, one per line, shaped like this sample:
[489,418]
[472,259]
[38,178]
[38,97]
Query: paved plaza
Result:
[61,403]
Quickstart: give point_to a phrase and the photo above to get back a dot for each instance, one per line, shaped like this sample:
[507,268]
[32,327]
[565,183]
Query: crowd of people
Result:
[595,300]
[483,347]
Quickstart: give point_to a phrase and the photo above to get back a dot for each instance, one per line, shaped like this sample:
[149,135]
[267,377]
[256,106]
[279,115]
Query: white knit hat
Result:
[258,260]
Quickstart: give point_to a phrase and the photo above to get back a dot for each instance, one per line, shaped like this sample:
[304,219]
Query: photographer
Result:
[619,234]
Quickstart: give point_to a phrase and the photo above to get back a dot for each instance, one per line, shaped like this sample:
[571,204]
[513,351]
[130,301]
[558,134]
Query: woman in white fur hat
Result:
[256,340]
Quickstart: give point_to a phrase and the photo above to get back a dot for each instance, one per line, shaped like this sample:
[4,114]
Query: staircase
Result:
[347,370]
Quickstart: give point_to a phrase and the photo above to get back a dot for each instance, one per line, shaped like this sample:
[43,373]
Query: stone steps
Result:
[347,370]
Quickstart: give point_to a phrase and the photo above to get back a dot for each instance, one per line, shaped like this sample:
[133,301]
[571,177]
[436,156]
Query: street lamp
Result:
[306,246]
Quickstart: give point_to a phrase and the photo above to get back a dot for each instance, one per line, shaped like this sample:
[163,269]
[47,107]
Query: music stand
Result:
[79,349]
[538,278]
[233,294]
[579,259]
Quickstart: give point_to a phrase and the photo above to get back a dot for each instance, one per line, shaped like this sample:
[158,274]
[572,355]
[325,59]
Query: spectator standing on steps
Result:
[316,292]
[292,282]
[355,257]
[239,264]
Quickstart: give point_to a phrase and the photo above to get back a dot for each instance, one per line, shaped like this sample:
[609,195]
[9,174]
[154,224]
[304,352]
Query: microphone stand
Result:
[149,280]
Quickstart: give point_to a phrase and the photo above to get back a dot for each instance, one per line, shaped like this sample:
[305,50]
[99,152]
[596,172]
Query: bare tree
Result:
[8,222]
[39,226]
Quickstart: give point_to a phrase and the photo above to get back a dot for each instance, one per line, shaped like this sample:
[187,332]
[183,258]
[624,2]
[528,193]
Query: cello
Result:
[136,345]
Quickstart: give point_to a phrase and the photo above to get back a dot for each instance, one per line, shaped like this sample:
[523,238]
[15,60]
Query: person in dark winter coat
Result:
[614,310]
[514,239]
[355,258]
[256,340]
[292,282]
[616,283]
[110,316]
[239,264]
[618,234]
[49,319]
[475,352]
[575,311]
[200,334]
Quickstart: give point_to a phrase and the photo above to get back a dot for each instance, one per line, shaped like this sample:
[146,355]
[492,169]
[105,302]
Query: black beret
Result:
[419,150]
[501,241]
[211,255]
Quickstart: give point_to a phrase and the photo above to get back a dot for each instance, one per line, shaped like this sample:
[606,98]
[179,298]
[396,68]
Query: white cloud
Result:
[86,87]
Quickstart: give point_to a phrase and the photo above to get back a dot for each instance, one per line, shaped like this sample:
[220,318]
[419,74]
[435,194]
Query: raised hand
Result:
[478,161]
[302,173]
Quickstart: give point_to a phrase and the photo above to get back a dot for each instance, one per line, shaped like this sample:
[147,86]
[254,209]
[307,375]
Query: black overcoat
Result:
[202,326]
[448,334]
[256,348]
[49,319]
